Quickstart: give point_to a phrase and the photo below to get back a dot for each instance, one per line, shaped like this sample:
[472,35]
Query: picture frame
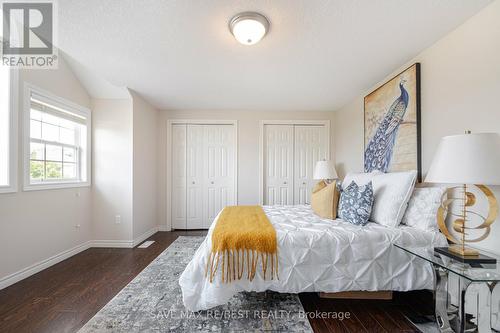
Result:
[392,124]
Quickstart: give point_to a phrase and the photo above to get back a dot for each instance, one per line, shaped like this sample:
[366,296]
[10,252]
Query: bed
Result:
[320,255]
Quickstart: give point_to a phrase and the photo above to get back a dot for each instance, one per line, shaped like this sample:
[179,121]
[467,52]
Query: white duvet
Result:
[320,255]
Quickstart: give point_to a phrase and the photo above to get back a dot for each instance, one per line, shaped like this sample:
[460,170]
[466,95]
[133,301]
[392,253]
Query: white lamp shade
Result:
[324,170]
[467,159]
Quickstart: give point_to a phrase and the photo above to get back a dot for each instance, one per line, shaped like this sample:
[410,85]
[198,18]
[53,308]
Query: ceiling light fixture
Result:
[249,28]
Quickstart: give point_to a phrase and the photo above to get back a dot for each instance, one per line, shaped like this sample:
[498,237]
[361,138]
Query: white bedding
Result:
[320,255]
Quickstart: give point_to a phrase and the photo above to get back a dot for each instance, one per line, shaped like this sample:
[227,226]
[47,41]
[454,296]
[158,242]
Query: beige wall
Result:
[112,158]
[248,148]
[460,90]
[37,225]
[145,120]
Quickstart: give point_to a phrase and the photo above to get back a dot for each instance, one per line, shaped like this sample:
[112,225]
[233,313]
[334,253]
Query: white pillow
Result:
[391,192]
[422,208]
[360,179]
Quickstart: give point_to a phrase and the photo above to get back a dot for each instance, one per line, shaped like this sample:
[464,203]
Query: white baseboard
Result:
[145,236]
[112,243]
[41,265]
[163,227]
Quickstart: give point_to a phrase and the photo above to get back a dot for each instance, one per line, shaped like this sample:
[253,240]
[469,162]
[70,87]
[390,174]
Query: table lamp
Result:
[467,159]
[325,171]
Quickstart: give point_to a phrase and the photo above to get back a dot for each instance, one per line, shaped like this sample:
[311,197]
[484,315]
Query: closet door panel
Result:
[219,159]
[178,188]
[310,147]
[194,176]
[278,164]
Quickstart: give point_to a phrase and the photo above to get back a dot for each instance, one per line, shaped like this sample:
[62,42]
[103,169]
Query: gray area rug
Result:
[426,325]
[152,302]
[428,328]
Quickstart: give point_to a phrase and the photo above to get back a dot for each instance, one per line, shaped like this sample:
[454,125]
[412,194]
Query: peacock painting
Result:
[391,124]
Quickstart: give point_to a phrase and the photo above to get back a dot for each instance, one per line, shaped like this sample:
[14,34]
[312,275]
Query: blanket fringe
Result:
[233,264]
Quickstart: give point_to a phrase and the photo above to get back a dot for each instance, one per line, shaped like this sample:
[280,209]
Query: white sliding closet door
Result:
[218,168]
[310,147]
[290,155]
[278,164]
[178,188]
[196,181]
[203,173]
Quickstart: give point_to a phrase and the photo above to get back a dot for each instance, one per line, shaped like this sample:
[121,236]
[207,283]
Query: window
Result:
[8,133]
[58,143]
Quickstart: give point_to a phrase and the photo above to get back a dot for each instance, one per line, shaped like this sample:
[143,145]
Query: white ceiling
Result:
[96,85]
[318,55]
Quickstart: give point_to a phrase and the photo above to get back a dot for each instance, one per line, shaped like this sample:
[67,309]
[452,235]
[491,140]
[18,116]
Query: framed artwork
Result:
[392,124]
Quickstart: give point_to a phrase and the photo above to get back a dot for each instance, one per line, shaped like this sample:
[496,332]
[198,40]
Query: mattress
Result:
[316,255]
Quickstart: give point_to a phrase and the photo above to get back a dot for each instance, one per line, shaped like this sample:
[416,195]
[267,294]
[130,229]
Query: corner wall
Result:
[145,165]
[112,158]
[124,171]
[460,77]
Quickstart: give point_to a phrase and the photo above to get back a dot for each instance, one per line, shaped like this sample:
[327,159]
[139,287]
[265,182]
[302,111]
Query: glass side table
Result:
[450,314]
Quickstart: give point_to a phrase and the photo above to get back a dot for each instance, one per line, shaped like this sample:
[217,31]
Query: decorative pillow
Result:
[356,203]
[391,191]
[324,200]
[422,208]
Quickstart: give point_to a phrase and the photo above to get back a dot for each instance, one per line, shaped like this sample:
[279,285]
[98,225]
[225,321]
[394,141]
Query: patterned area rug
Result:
[152,302]
[425,324]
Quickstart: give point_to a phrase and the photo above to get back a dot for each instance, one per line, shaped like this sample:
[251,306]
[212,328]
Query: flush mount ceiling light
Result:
[249,28]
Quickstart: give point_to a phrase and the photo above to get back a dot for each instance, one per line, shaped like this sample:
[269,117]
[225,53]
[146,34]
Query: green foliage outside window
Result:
[53,169]
[36,170]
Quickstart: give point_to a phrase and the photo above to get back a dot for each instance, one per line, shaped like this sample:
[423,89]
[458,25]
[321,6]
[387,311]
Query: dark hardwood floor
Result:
[370,315]
[65,296]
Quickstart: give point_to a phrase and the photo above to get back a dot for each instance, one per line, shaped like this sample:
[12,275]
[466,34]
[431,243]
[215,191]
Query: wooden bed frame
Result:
[380,295]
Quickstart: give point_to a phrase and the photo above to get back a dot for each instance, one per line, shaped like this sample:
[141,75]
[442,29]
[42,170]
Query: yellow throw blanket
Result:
[242,235]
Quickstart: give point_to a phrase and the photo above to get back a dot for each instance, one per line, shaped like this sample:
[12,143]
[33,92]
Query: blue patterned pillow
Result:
[356,202]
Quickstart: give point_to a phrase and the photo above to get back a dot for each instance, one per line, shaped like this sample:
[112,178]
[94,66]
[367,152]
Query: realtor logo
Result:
[28,31]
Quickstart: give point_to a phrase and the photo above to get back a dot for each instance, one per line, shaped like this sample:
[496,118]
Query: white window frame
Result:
[13,133]
[64,104]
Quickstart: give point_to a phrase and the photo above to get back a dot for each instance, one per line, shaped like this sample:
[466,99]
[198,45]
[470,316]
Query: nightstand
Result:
[450,311]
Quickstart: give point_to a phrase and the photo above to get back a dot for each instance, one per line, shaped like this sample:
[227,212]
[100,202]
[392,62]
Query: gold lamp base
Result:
[468,200]
[463,251]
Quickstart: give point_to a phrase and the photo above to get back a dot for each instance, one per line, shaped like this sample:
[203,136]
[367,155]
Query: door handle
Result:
[303,183]
[193,183]
[211,182]
[284,183]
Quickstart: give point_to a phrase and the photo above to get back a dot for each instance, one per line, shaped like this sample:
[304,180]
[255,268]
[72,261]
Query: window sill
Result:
[8,189]
[54,186]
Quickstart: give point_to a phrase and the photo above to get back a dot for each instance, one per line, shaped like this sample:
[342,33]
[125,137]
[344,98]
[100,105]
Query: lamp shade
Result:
[467,159]
[324,170]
